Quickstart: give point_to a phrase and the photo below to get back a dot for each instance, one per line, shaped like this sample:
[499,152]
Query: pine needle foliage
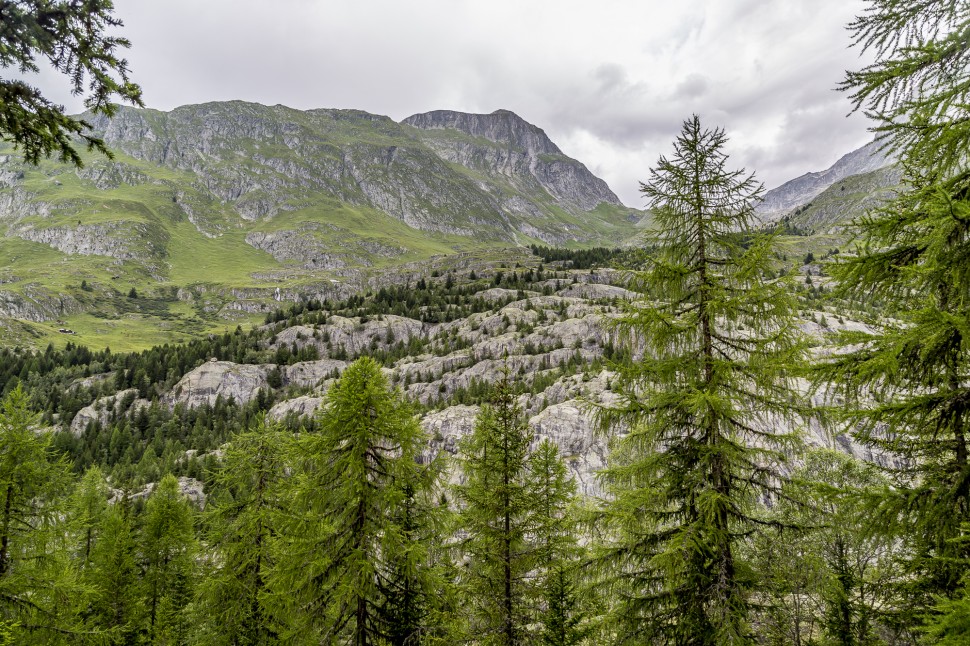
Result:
[704,404]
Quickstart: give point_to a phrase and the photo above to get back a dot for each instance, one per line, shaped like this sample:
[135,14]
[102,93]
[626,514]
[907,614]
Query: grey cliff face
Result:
[801,190]
[519,151]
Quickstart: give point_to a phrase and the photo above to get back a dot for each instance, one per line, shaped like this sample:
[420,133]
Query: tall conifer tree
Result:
[40,590]
[907,383]
[234,606]
[495,517]
[353,532]
[168,550]
[718,340]
[117,609]
[553,533]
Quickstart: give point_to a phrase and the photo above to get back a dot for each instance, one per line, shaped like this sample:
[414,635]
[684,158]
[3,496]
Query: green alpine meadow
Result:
[310,376]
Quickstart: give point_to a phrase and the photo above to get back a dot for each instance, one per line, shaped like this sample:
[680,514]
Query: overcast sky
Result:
[609,81]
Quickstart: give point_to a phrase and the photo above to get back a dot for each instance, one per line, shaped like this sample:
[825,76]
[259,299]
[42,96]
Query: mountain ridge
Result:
[214,212]
[801,190]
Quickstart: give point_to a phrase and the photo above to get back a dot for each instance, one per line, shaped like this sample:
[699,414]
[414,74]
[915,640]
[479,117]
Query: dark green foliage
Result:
[36,573]
[234,599]
[167,552]
[702,405]
[830,579]
[558,555]
[576,258]
[117,609]
[71,38]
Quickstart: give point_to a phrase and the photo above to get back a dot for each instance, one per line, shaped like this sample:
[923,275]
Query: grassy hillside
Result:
[213,214]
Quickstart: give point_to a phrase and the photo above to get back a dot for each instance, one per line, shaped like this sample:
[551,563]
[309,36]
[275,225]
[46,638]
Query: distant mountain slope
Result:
[506,148]
[801,190]
[844,201]
[215,211]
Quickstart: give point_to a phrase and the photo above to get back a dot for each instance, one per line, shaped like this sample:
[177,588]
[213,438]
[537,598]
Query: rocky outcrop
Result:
[189,488]
[571,427]
[503,144]
[34,303]
[219,379]
[309,374]
[303,406]
[594,291]
[352,335]
[102,410]
[124,240]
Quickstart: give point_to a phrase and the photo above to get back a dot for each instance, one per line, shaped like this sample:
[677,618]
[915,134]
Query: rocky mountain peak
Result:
[801,190]
[501,126]
[503,144]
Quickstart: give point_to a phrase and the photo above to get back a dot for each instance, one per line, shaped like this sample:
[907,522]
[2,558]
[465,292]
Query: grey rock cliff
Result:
[511,147]
[799,191]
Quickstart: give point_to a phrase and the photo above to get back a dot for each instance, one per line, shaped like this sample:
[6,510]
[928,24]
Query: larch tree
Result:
[234,598]
[352,531]
[833,580]
[711,405]
[495,520]
[86,510]
[168,550]
[907,383]
[73,37]
[558,554]
[117,608]
[39,585]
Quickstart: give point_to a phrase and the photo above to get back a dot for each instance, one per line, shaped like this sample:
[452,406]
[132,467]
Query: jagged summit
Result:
[500,126]
[503,144]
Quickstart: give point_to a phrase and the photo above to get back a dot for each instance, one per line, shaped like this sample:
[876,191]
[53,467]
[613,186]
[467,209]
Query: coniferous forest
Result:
[716,522]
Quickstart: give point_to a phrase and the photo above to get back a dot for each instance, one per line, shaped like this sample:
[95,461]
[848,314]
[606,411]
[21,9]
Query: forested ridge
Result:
[730,509]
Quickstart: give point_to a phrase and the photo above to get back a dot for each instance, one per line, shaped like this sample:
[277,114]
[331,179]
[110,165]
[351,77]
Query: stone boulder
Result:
[303,406]
[310,373]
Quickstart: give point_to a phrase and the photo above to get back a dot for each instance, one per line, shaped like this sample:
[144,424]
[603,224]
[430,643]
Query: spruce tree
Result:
[905,383]
[495,517]
[707,404]
[353,531]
